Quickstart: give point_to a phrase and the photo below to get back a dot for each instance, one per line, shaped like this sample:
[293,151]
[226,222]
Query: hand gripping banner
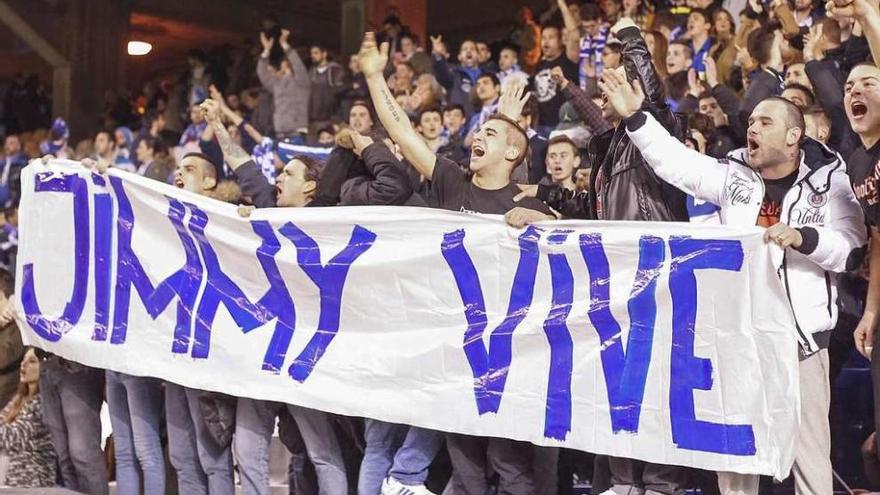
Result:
[671,343]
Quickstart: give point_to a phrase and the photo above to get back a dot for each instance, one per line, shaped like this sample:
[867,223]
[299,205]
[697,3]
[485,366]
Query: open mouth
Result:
[753,145]
[278,190]
[178,183]
[478,151]
[858,108]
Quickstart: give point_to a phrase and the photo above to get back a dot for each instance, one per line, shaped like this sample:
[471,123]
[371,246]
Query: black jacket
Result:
[828,82]
[385,183]
[629,190]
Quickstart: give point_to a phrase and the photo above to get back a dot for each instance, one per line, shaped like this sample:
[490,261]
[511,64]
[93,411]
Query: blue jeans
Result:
[405,453]
[135,405]
[72,395]
[202,466]
[254,424]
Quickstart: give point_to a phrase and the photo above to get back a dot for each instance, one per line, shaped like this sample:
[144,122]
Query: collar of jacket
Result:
[817,164]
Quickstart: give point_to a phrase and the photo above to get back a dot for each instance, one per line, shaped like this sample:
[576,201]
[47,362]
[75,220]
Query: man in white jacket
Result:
[799,190]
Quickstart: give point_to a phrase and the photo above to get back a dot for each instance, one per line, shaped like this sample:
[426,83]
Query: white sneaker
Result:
[391,486]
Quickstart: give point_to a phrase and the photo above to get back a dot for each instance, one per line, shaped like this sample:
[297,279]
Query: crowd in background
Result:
[278,110]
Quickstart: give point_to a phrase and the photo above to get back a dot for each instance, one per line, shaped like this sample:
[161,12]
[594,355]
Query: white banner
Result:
[670,343]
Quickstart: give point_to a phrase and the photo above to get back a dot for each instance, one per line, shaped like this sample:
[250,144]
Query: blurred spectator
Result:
[56,144]
[290,87]
[13,161]
[548,95]
[459,80]
[326,79]
[508,64]
[526,34]
[414,54]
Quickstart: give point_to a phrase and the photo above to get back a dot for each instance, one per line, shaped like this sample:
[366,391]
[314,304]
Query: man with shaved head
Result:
[798,190]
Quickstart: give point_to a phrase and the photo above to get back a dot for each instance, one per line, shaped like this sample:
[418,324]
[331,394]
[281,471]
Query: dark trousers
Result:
[474,459]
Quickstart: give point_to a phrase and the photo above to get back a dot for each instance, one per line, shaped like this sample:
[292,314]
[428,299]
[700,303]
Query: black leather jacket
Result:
[627,188]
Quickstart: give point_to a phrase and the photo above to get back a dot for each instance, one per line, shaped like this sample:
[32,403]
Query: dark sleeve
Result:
[586,109]
[826,81]
[254,185]
[690,104]
[638,63]
[333,175]
[443,73]
[566,202]
[387,184]
[729,103]
[856,51]
[213,151]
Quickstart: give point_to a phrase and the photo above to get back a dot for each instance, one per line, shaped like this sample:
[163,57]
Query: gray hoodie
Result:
[290,94]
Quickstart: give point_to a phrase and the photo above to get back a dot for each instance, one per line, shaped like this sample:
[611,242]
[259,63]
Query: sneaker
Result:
[391,486]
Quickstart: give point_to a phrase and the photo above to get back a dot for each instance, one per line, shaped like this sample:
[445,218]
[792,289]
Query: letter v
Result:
[625,373]
[490,366]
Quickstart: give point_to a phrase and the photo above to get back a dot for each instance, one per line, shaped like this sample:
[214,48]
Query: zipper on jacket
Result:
[785,277]
[828,291]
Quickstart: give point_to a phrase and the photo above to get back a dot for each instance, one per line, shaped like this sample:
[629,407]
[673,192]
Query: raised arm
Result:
[300,72]
[868,16]
[263,64]
[583,105]
[441,66]
[639,64]
[373,60]
[251,180]
[572,40]
[688,170]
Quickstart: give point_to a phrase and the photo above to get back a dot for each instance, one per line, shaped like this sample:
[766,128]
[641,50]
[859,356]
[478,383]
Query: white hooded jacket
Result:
[820,204]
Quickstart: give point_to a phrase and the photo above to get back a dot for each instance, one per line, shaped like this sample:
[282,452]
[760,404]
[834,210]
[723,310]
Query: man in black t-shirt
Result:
[548,94]
[498,147]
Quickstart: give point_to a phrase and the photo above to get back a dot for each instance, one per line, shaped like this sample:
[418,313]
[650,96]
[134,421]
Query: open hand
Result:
[437,46]
[371,58]
[711,72]
[513,98]
[211,110]
[625,97]
[267,42]
[285,35]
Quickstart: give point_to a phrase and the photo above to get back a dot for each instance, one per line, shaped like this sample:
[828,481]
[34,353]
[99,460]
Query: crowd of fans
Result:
[586,111]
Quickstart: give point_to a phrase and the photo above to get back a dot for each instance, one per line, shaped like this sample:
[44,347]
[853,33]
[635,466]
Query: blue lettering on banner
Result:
[330,280]
[103,258]
[625,373]
[557,417]
[220,289]
[53,330]
[689,372]
[184,283]
[490,366]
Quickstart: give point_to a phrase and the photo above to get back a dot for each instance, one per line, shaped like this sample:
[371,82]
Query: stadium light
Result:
[138,48]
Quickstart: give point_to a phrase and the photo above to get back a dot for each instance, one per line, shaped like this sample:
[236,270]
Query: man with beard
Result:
[807,207]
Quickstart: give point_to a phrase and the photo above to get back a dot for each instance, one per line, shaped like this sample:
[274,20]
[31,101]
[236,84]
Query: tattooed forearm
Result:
[390,104]
[233,154]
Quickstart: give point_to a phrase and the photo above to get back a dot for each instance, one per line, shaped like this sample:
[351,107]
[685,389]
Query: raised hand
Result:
[812,44]
[625,97]
[371,58]
[558,77]
[216,95]
[711,72]
[211,110]
[267,42]
[285,35]
[437,46]
[756,6]
[513,98]
[694,86]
